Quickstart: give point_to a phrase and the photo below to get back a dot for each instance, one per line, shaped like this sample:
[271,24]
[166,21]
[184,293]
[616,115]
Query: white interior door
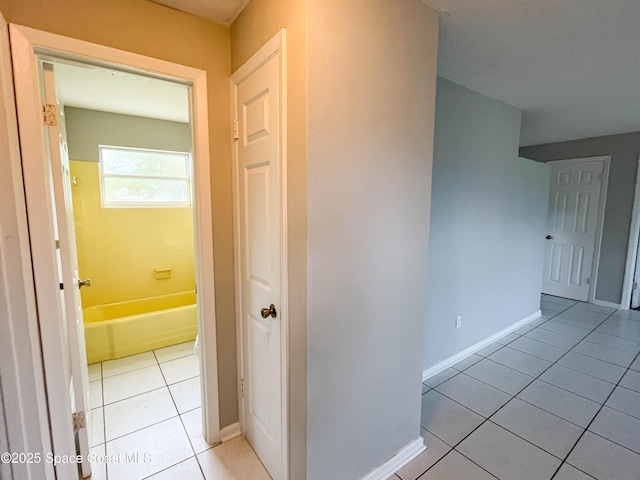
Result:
[259,197]
[43,238]
[574,200]
[68,261]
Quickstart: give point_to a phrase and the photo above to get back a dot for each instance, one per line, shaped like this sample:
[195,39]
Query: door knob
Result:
[548,237]
[267,312]
[84,283]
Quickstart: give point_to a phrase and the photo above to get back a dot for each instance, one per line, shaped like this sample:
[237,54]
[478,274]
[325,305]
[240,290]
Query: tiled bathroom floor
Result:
[150,403]
[557,399]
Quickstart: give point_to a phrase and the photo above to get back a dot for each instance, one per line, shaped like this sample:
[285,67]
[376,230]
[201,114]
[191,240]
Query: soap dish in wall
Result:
[162,273]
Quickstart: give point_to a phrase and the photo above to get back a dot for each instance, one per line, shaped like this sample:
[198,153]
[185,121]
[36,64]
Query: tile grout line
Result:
[533,379]
[551,413]
[587,374]
[104,420]
[593,419]
[451,449]
[143,428]
[514,396]
[612,441]
[158,363]
[494,361]
[484,421]
[136,395]
[179,416]
[166,385]
[617,336]
[538,378]
[491,360]
[502,346]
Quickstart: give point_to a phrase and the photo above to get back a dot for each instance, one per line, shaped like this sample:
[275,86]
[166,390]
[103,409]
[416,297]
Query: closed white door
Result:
[258,183]
[574,200]
[68,264]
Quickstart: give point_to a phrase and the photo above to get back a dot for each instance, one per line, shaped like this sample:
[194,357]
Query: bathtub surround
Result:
[119,249]
[140,260]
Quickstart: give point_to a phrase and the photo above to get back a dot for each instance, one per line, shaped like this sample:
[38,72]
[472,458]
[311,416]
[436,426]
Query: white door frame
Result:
[28,45]
[275,46]
[602,203]
[27,426]
[632,249]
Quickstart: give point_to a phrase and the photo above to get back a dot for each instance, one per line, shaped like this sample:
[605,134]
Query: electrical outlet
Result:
[458,321]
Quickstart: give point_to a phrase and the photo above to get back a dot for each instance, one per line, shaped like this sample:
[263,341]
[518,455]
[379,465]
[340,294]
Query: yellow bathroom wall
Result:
[119,248]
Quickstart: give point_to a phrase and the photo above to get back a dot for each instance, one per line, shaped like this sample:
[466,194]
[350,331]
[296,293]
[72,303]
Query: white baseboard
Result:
[399,460]
[437,368]
[230,432]
[602,303]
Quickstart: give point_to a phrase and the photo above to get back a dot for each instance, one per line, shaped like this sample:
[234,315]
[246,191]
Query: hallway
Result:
[557,399]
[149,404]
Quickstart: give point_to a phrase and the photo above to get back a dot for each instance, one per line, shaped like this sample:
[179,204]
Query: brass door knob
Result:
[84,283]
[269,312]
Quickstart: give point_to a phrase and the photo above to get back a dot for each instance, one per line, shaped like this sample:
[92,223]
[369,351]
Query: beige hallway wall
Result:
[372,85]
[150,29]
[258,23]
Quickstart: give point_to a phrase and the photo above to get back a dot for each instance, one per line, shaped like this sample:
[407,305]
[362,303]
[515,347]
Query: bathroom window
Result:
[133,177]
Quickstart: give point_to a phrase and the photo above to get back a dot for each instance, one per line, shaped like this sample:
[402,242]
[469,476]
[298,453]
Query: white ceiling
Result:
[572,66]
[118,92]
[219,11]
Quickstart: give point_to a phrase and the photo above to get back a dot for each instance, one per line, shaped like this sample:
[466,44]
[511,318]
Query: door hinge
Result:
[62,286]
[79,421]
[242,387]
[236,130]
[49,115]
[634,286]
[588,281]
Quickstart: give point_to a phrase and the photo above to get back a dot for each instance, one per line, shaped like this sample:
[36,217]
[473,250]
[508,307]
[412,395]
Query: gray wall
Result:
[488,218]
[371,84]
[624,150]
[86,129]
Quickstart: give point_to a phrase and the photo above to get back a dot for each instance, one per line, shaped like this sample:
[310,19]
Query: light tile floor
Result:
[557,399]
[150,403]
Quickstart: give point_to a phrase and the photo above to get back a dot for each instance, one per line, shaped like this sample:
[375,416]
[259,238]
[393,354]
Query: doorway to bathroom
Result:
[118,195]
[130,177]
[126,142]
